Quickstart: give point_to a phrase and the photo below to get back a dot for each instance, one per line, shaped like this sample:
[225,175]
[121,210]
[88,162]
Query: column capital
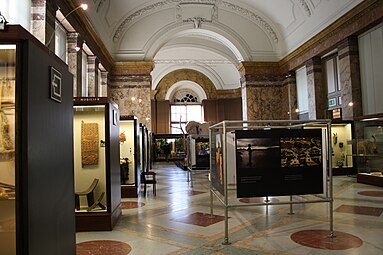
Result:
[133,68]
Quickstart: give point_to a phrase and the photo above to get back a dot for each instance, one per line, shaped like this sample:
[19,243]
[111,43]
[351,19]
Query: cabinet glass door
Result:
[7,150]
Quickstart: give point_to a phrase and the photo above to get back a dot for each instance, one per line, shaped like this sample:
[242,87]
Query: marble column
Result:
[290,88]
[43,20]
[75,63]
[317,92]
[92,74]
[104,84]
[349,74]
[262,91]
[130,87]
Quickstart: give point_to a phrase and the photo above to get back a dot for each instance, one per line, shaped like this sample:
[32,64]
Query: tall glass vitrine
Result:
[7,149]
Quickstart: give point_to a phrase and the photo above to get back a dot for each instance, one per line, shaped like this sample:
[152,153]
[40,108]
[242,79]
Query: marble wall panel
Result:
[132,98]
[264,103]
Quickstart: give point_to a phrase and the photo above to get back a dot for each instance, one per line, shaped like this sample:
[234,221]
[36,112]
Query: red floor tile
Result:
[319,239]
[200,219]
[371,193]
[130,205]
[103,247]
[363,210]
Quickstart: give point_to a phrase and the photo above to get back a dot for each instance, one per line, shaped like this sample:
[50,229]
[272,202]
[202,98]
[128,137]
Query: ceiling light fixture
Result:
[81,6]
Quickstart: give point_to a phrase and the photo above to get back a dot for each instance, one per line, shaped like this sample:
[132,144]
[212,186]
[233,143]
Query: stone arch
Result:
[185,75]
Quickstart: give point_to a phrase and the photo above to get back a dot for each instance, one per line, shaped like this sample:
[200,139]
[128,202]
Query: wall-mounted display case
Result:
[130,156]
[368,150]
[36,151]
[96,163]
[342,159]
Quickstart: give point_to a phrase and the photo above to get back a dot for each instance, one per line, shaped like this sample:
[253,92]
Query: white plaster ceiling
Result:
[230,31]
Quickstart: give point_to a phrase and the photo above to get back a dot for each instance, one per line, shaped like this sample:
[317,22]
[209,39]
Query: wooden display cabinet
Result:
[36,150]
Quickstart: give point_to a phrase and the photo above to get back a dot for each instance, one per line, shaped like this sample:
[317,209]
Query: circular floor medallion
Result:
[130,205]
[103,247]
[371,193]
[319,239]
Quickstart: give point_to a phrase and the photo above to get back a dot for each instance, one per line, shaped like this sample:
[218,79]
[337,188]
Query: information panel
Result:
[217,173]
[279,162]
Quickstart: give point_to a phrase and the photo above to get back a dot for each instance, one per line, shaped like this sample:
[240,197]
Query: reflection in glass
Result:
[7,150]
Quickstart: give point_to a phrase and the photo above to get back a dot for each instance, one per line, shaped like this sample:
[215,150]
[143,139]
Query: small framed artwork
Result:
[55,85]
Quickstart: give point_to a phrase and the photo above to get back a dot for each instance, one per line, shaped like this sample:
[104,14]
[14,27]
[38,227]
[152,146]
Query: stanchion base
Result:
[331,235]
[291,213]
[226,243]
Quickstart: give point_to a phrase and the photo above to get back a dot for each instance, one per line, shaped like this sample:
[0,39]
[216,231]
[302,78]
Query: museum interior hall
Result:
[187,127]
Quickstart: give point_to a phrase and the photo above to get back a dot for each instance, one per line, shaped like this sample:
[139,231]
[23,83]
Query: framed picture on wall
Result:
[55,85]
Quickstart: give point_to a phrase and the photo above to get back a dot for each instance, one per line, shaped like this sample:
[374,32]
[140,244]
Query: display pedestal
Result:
[343,171]
[370,179]
[96,221]
[128,191]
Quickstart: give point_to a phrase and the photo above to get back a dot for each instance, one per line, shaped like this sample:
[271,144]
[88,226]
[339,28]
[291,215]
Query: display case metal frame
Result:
[225,126]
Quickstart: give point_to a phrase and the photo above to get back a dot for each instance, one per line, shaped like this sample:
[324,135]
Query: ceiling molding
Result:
[254,17]
[257,19]
[305,7]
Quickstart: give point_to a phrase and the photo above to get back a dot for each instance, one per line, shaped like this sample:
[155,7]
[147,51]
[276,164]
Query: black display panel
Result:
[279,162]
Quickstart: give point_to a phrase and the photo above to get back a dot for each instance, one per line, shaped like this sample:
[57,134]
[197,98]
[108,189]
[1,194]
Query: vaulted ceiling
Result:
[210,36]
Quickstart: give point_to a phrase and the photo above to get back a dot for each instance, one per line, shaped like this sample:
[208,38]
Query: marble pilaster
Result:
[104,84]
[74,63]
[317,92]
[130,87]
[92,74]
[290,89]
[263,92]
[349,74]
[43,20]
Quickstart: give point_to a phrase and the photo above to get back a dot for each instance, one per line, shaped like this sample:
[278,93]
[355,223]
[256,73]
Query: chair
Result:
[98,203]
[149,178]
[88,193]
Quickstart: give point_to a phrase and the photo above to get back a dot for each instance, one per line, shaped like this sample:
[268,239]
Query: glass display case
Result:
[96,163]
[7,149]
[129,156]
[342,158]
[368,150]
[171,147]
[198,153]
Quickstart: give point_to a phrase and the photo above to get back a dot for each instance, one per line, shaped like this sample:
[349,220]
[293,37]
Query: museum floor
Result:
[176,222]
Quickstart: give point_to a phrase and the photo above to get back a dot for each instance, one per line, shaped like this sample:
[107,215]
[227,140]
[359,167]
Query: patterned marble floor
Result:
[178,221]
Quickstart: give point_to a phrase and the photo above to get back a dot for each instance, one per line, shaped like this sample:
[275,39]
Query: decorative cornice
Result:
[132,68]
[238,9]
[305,7]
[140,13]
